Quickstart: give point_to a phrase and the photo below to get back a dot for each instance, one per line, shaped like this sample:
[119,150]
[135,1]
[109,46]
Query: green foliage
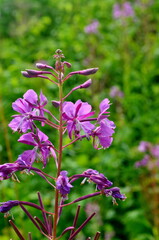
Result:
[127,54]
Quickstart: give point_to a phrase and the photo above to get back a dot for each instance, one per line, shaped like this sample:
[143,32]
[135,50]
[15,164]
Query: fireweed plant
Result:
[75,119]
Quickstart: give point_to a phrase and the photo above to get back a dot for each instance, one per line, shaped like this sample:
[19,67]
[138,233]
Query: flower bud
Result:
[86,84]
[36,73]
[85,72]
[55,103]
[26,74]
[67,64]
[42,66]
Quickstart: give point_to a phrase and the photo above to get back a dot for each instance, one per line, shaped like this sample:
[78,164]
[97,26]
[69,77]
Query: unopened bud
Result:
[86,84]
[42,66]
[26,74]
[34,72]
[67,64]
[55,103]
[85,72]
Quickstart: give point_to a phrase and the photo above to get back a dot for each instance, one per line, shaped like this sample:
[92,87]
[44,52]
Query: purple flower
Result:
[128,10]
[117,11]
[38,104]
[92,27]
[103,134]
[6,206]
[104,106]
[123,10]
[28,107]
[27,158]
[22,122]
[144,146]
[7,170]
[101,181]
[62,184]
[42,147]
[76,116]
[143,162]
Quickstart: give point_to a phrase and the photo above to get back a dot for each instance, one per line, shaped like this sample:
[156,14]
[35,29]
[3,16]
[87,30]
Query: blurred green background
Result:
[126,50]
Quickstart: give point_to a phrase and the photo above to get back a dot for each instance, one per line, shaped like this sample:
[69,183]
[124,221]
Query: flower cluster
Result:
[122,11]
[79,121]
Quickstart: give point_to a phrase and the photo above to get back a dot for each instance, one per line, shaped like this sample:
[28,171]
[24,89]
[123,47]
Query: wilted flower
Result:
[6,206]
[7,170]
[101,181]
[62,184]
[115,193]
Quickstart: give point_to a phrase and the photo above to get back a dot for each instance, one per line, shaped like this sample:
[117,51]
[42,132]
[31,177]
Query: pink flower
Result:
[28,107]
[123,10]
[103,134]
[42,147]
[76,117]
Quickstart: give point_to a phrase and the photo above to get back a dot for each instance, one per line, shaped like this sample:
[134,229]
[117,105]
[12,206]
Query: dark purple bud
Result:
[56,104]
[101,181]
[43,66]
[6,206]
[85,72]
[67,64]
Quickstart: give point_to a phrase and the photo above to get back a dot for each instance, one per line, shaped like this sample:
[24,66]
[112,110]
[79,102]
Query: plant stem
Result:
[60,148]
